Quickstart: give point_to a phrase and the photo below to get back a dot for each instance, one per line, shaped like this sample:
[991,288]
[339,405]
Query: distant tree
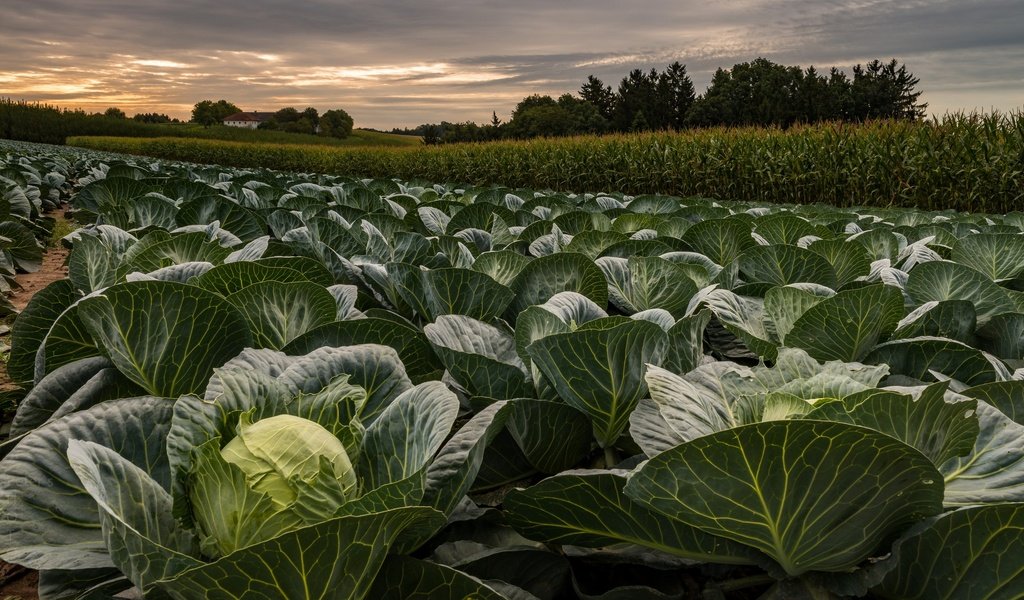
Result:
[222,109]
[600,95]
[840,98]
[419,130]
[208,112]
[304,125]
[151,118]
[115,113]
[467,131]
[760,92]
[431,135]
[531,102]
[541,121]
[336,123]
[495,130]
[714,107]
[287,115]
[538,115]
[312,115]
[821,97]
[290,120]
[583,116]
[637,94]
[204,114]
[885,91]
[676,94]
[280,119]
[639,123]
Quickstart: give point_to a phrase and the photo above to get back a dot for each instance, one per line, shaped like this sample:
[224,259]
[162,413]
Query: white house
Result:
[249,120]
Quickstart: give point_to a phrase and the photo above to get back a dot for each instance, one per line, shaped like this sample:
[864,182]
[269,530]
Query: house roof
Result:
[259,117]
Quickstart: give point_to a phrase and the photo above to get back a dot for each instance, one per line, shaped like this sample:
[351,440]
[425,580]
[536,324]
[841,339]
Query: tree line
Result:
[37,122]
[333,123]
[116,113]
[756,93]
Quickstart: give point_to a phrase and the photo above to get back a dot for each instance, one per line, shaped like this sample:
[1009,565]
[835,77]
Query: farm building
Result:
[250,120]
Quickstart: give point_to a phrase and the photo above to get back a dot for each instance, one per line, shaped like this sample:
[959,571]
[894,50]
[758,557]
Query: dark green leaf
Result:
[589,508]
[848,325]
[812,495]
[973,553]
[600,372]
[167,337]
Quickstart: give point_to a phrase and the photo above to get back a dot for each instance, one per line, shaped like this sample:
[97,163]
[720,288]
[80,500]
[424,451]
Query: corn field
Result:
[964,162]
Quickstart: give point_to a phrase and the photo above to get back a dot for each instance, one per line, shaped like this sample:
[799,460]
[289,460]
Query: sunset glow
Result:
[434,61]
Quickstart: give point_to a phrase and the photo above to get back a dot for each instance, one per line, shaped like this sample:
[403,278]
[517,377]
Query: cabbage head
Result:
[274,451]
[276,475]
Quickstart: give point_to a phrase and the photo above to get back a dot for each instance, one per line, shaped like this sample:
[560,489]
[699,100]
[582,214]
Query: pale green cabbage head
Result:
[274,451]
[276,475]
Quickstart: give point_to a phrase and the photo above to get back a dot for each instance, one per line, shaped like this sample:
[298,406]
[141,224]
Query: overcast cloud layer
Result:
[401,63]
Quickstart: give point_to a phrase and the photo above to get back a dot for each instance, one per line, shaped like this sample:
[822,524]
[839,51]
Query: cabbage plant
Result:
[270,502]
[830,483]
[260,489]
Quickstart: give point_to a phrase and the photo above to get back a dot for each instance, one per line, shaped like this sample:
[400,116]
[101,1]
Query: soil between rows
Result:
[18,583]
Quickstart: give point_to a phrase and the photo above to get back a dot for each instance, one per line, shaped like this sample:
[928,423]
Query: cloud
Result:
[400,63]
[166,64]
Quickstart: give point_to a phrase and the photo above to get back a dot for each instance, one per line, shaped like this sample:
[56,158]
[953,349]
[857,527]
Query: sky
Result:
[393,63]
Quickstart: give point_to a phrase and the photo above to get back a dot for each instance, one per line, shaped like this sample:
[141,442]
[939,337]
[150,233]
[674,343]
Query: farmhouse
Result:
[249,120]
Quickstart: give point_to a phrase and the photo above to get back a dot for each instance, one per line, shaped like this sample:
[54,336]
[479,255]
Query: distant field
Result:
[966,163]
[359,137]
[49,125]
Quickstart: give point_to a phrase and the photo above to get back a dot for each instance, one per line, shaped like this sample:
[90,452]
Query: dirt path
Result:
[18,583]
[53,269]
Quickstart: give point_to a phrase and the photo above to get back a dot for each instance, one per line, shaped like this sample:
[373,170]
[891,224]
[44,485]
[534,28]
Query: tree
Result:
[583,116]
[208,112]
[676,94]
[600,95]
[467,131]
[715,106]
[531,102]
[431,135]
[290,120]
[312,116]
[538,121]
[151,118]
[115,113]
[885,91]
[304,125]
[639,123]
[840,99]
[760,92]
[336,123]
[823,98]
[538,115]
[287,115]
[637,94]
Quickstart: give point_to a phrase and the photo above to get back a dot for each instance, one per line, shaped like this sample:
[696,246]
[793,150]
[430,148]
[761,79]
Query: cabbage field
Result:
[264,385]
